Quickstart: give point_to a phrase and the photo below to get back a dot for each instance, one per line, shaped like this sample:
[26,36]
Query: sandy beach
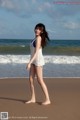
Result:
[64,95]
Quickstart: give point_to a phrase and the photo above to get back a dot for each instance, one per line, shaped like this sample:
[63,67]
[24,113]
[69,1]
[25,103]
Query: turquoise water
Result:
[54,47]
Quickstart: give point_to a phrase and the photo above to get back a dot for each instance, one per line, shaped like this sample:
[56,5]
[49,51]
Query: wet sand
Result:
[64,95]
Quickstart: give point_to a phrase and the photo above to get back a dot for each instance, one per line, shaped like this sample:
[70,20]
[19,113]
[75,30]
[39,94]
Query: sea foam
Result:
[56,59]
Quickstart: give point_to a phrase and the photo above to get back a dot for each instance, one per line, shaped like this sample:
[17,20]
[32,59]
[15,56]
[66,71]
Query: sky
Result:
[19,17]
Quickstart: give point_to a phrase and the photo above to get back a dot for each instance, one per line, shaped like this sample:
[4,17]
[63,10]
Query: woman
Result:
[35,65]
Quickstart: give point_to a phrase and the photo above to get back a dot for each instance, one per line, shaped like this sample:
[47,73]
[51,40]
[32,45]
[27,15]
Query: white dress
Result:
[39,60]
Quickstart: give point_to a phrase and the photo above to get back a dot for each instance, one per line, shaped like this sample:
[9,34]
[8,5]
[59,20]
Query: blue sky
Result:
[19,17]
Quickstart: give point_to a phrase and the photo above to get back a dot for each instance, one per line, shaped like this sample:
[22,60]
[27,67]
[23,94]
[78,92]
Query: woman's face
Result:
[37,31]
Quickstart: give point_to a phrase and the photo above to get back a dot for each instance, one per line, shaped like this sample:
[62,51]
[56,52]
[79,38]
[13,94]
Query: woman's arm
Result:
[38,45]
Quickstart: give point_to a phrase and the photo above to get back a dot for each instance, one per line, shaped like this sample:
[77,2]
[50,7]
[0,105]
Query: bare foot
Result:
[30,101]
[46,103]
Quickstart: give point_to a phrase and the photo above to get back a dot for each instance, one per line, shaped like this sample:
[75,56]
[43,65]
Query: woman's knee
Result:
[40,80]
[31,79]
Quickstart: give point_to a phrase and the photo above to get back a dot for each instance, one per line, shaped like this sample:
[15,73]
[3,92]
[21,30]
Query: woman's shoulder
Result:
[38,38]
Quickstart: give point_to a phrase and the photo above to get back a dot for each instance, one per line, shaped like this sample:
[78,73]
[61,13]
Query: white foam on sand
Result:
[55,66]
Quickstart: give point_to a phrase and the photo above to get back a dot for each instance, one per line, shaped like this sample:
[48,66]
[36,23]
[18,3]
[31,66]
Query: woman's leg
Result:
[31,80]
[39,73]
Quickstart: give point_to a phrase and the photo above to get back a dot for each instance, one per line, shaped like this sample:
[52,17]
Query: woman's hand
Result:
[28,66]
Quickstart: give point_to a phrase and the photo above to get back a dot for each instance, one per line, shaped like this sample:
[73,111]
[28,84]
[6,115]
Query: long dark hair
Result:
[44,34]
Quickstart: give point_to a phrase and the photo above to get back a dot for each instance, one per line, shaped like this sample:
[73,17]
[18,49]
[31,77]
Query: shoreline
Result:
[43,77]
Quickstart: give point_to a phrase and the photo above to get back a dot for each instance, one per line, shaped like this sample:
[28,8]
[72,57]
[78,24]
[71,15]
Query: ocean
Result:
[62,58]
